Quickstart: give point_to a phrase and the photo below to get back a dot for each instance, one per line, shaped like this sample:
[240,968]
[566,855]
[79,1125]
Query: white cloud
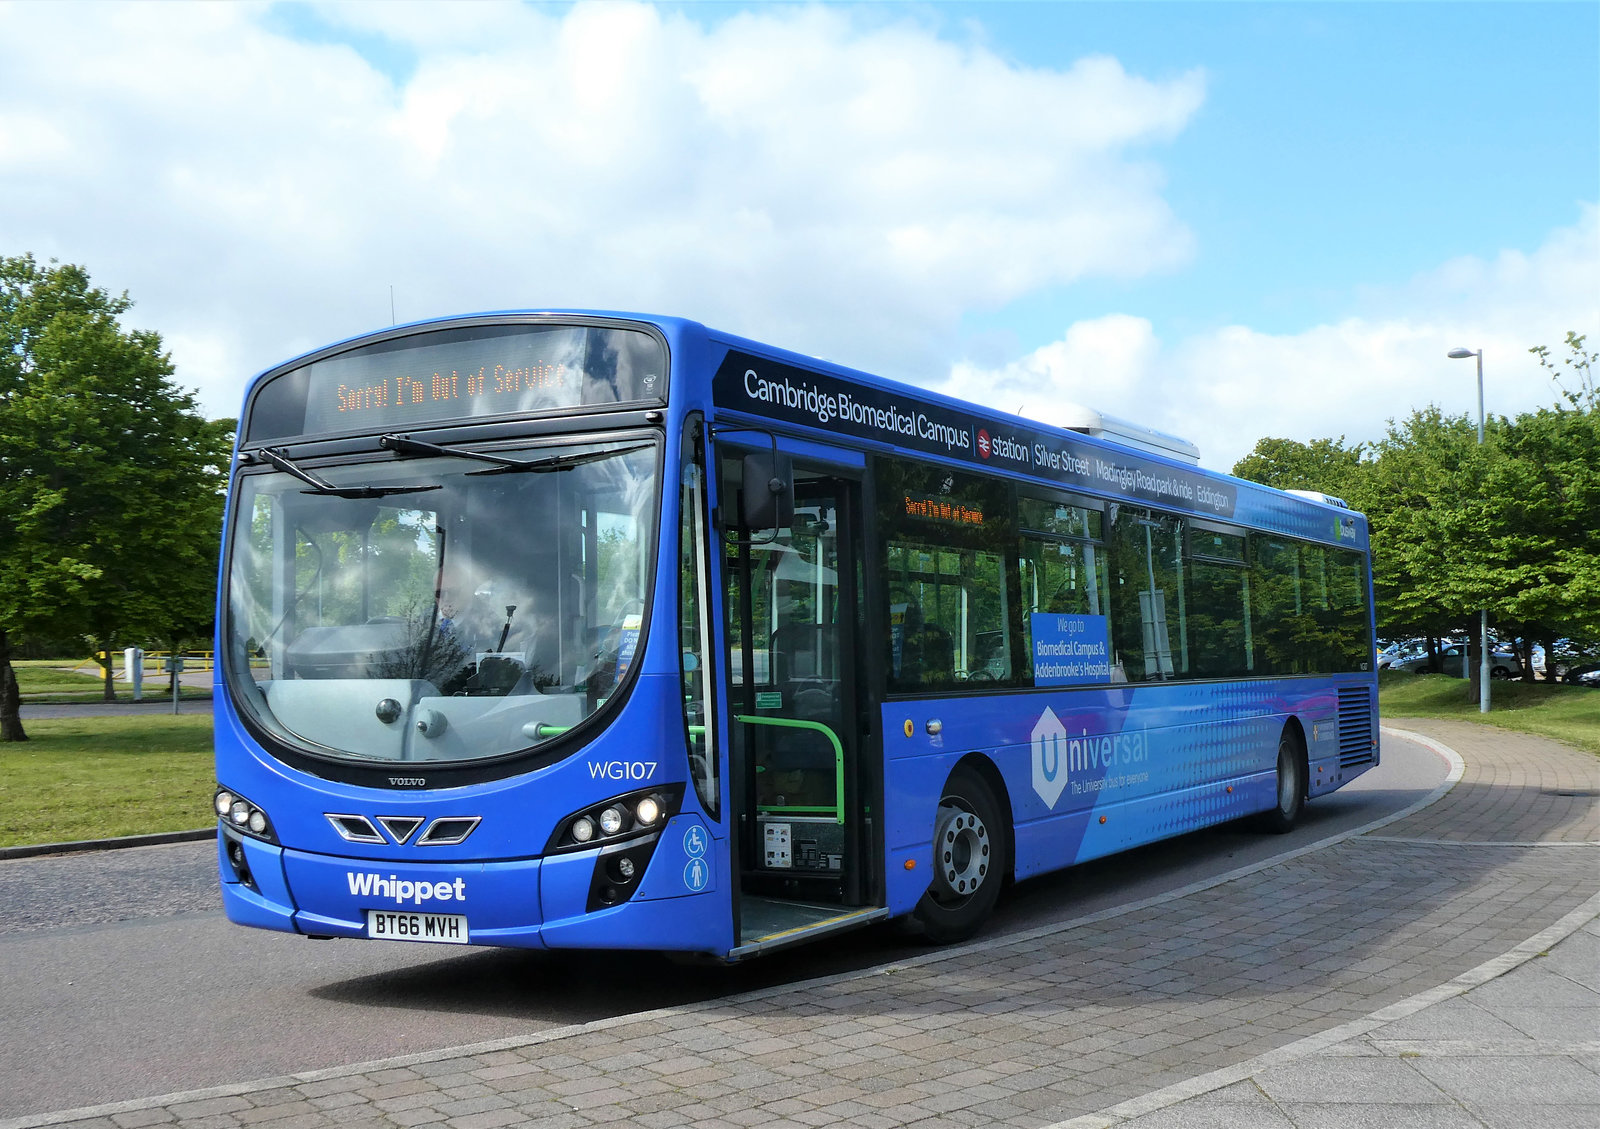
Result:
[1227,388]
[795,174]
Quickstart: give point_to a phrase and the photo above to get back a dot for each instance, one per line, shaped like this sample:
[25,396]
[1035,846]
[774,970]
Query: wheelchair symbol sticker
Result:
[694,842]
[696,875]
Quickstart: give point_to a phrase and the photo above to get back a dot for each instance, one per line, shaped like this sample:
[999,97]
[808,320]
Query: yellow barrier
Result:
[155,662]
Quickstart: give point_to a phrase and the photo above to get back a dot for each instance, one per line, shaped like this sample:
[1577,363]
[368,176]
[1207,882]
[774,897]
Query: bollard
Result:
[133,670]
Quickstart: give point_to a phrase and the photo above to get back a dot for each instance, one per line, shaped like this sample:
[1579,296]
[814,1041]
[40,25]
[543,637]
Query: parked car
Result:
[1393,654]
[1502,664]
[1587,674]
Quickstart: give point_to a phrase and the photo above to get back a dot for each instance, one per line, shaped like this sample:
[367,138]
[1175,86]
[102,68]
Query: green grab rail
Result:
[542,730]
[838,755]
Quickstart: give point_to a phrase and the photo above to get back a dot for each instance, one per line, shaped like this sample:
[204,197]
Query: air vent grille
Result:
[448,831]
[400,827]
[355,828]
[1357,742]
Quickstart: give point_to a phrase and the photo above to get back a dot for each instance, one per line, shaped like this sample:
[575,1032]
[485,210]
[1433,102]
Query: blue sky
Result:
[1340,147]
[1224,220]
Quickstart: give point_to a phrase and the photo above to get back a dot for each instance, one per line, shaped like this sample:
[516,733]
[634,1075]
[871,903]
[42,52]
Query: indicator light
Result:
[583,829]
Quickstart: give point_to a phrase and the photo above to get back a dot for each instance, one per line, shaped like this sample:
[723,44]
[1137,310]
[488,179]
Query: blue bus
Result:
[590,630]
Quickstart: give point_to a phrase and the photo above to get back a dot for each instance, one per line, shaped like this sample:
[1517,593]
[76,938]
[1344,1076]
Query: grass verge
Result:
[99,777]
[1564,713]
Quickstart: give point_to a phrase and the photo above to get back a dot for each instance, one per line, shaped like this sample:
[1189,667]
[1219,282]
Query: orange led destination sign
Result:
[463,373]
[473,393]
[942,510]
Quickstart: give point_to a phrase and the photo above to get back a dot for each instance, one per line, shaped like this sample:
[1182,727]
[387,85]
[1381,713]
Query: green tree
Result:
[1419,494]
[1579,366]
[110,479]
[1322,464]
[1542,528]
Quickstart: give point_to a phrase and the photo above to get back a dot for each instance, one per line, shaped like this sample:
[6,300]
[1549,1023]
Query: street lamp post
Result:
[1483,630]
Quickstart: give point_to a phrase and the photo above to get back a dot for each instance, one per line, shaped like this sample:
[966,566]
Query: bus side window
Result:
[1221,629]
[948,582]
[1061,567]
[1149,625]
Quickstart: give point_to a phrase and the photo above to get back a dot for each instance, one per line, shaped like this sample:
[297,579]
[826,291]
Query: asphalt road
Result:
[150,705]
[120,978]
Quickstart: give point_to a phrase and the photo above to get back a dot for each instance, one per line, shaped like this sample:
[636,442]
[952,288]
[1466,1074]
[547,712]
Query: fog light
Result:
[241,866]
[648,811]
[611,821]
[625,868]
[583,830]
[239,812]
[224,801]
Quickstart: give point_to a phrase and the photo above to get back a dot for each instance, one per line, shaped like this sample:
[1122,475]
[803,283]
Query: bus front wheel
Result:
[1291,779]
[969,860]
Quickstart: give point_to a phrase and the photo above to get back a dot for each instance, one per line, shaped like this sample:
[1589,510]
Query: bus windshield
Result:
[474,620]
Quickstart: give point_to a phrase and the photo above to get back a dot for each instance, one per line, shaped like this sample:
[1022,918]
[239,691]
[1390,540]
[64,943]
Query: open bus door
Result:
[808,856]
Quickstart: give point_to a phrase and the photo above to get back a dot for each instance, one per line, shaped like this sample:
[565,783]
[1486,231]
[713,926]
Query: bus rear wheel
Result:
[1291,780]
[969,861]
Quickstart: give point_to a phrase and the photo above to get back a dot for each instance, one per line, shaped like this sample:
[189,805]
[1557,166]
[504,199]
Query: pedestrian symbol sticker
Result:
[694,841]
[696,875]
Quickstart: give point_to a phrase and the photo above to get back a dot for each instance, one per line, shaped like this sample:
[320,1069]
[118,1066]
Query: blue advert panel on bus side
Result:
[1070,650]
[1093,771]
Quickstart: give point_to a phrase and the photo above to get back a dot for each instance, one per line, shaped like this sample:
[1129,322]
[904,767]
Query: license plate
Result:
[441,928]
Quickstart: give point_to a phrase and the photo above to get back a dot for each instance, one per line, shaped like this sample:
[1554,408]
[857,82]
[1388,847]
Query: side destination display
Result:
[767,388]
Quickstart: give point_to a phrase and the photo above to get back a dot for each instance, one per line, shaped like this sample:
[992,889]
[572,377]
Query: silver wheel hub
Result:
[961,853]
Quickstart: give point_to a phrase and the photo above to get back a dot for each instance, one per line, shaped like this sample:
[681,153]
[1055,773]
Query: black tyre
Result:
[1291,785]
[970,861]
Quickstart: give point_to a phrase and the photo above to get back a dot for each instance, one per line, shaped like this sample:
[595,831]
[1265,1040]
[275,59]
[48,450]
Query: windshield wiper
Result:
[323,486]
[404,445]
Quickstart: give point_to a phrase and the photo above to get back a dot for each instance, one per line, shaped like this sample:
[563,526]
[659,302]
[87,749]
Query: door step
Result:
[769,923]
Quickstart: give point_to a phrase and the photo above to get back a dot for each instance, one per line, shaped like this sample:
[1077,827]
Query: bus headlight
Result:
[241,815]
[617,820]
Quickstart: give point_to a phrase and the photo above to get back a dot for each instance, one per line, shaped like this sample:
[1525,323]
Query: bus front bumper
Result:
[523,903]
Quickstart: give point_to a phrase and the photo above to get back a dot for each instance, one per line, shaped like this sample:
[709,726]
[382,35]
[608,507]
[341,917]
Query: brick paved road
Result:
[1034,1028]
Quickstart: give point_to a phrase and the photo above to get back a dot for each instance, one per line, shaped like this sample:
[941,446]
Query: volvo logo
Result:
[409,781]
